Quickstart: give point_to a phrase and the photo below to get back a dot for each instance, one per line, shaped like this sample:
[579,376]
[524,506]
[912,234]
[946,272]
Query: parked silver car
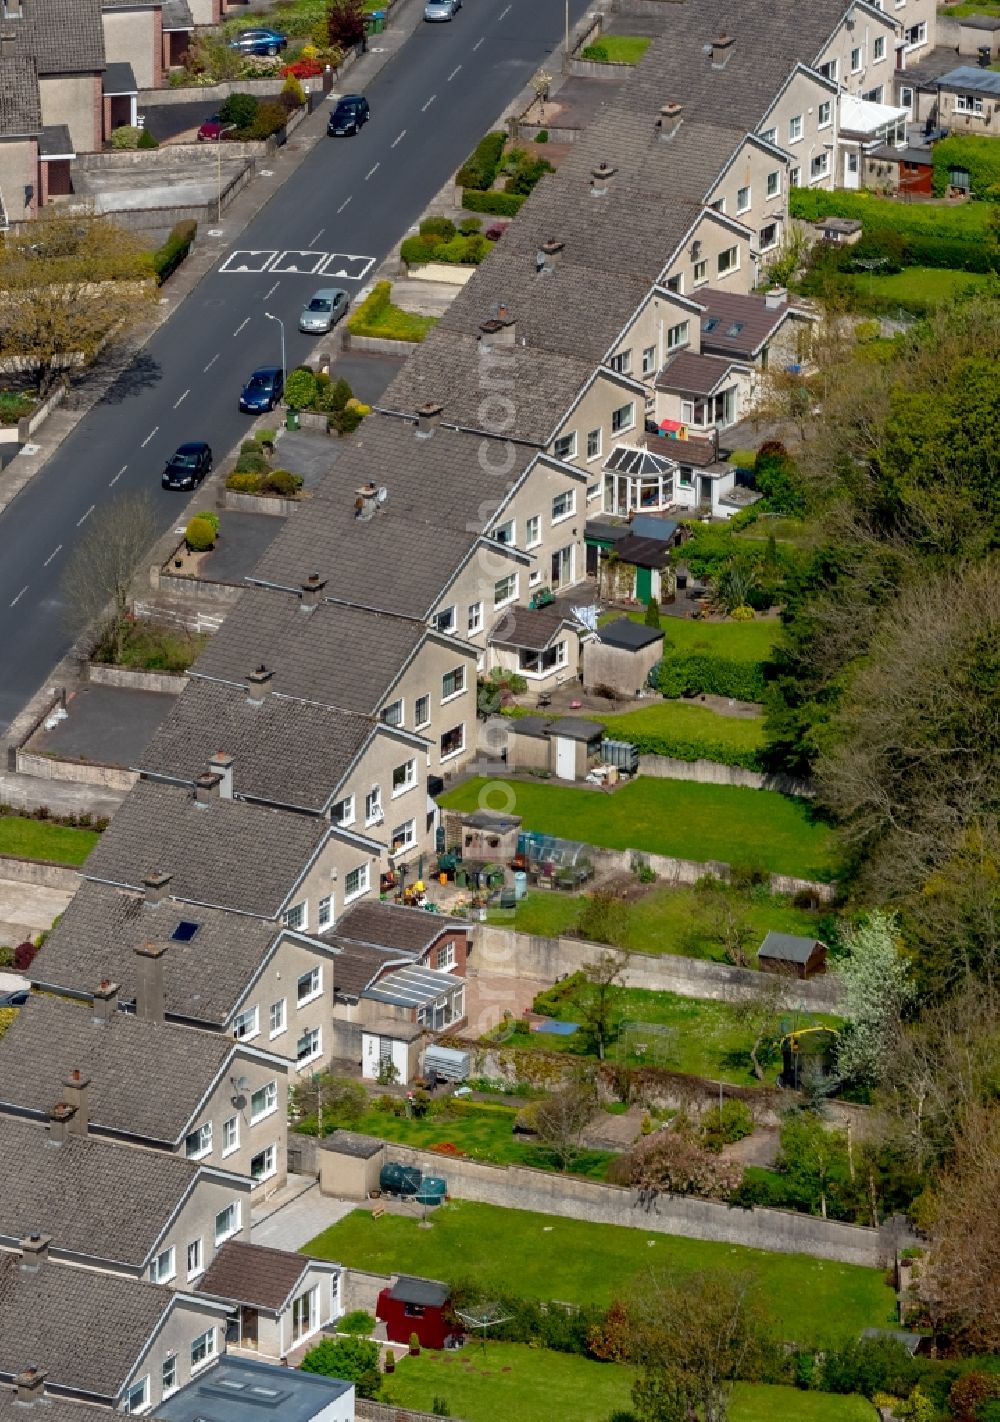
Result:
[442,9]
[324,310]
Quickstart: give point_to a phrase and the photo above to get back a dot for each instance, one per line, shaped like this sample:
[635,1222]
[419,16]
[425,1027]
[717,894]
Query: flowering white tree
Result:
[877,988]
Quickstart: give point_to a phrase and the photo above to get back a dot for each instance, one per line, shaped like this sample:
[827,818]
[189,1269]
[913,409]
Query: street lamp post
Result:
[282,325]
[222,131]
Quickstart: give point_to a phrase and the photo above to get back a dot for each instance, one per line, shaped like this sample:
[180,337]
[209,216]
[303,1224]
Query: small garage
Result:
[791,954]
[621,657]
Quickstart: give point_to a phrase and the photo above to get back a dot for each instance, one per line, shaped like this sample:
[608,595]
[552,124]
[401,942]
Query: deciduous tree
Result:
[562,1118]
[101,570]
[877,989]
[601,979]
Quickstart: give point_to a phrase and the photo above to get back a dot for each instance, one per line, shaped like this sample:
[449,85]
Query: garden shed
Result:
[488,837]
[349,1164]
[390,1042]
[564,747]
[791,954]
[621,656]
[420,1306]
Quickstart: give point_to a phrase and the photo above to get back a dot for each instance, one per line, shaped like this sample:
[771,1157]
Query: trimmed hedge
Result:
[378,317]
[481,167]
[167,259]
[980,157]
[495,204]
[694,747]
[909,234]
[700,674]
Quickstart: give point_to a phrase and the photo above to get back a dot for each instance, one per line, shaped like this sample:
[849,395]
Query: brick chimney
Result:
[34,1252]
[670,120]
[149,994]
[312,592]
[154,887]
[221,764]
[206,788]
[428,419]
[259,683]
[366,502]
[30,1385]
[105,1001]
[601,179]
[499,330]
[776,297]
[60,1121]
[722,48]
[548,255]
[77,1090]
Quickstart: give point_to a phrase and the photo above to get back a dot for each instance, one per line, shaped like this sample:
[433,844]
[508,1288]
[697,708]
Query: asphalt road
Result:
[352,197]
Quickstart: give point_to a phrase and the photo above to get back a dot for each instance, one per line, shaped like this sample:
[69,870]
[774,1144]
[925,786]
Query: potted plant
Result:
[390,1361]
[414,1345]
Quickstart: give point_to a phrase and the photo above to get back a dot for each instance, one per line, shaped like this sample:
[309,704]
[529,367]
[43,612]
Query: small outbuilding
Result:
[791,954]
[281,1299]
[244,1390]
[392,1041]
[420,1306]
[489,837]
[840,231]
[914,1343]
[349,1165]
[565,747]
[621,657]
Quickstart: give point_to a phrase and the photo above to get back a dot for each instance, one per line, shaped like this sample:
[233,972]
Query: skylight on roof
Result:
[185,931]
[709,323]
[735,328]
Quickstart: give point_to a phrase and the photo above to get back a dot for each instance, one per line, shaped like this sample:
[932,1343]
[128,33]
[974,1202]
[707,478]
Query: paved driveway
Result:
[292,1225]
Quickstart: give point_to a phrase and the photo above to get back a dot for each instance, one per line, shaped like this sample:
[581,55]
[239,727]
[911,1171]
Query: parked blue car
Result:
[263,390]
[259,41]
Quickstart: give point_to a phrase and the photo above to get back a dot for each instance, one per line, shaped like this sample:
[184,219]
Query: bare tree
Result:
[68,281]
[760,1017]
[102,568]
[562,1118]
[724,911]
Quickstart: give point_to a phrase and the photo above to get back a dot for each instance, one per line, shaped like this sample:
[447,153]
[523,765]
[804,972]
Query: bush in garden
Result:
[300,388]
[345,23]
[167,259]
[357,1321]
[239,109]
[350,1359]
[271,119]
[480,169]
[292,93]
[126,136]
[870,1365]
[496,230]
[722,1126]
[496,204]
[210,517]
[542,136]
[146,140]
[440,227]
[252,459]
[24,955]
[469,226]
[243,482]
[283,482]
[199,535]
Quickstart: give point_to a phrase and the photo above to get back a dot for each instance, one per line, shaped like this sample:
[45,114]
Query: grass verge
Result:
[40,839]
[378,317]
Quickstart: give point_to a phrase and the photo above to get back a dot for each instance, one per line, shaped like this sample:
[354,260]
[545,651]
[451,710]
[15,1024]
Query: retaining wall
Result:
[27,427]
[74,772]
[712,772]
[360,1289]
[33,871]
[222,595]
[378,344]
[166,683]
[258,503]
[502,952]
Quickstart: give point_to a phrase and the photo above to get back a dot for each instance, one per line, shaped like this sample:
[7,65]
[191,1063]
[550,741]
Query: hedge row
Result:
[167,259]
[701,674]
[378,317]
[967,222]
[496,204]
[480,169]
[695,747]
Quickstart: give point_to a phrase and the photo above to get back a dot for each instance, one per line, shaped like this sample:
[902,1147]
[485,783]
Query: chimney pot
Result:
[366,502]
[105,1001]
[428,418]
[149,993]
[77,1088]
[60,1118]
[721,48]
[257,684]
[206,788]
[30,1385]
[600,179]
[312,591]
[498,330]
[155,885]
[34,1252]
[221,764]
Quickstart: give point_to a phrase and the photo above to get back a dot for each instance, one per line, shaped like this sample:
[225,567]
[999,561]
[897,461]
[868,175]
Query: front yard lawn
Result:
[378,316]
[535,1385]
[617,49]
[737,641]
[40,839]
[671,817]
[814,1301]
[664,920]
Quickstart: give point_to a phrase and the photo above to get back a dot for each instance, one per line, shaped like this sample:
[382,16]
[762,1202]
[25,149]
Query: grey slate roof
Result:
[20,103]
[92,1197]
[352,1143]
[83,1329]
[177,15]
[146,1078]
[314,655]
[56,142]
[253,1274]
[204,978]
[726,310]
[286,752]
[53,1409]
[64,36]
[787,947]
[229,853]
[967,78]
[119,78]
[423,1292]
[358,965]
[534,628]
[408,930]
[628,635]
[643,552]
[576,728]
[693,374]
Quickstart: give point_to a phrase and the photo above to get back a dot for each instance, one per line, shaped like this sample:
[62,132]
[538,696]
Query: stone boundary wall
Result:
[74,772]
[360,1288]
[34,871]
[166,683]
[379,345]
[713,772]
[502,952]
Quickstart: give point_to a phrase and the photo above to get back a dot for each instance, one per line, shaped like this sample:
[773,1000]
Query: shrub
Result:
[199,535]
[496,204]
[251,460]
[239,109]
[526,173]
[303,68]
[441,227]
[271,119]
[350,1359]
[378,317]
[977,155]
[723,1125]
[125,136]
[283,482]
[167,259]
[480,169]
[652,617]
[969,1393]
[210,517]
[345,421]
[415,250]
[146,140]
[265,436]
[542,136]
[24,955]
[300,388]
[469,226]
[345,23]
[870,1365]
[242,481]
[292,91]
[357,1321]
[496,230]
[701,674]
[598,52]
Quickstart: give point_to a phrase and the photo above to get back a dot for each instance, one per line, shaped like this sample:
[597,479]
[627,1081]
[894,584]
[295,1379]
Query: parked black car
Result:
[351,112]
[187,468]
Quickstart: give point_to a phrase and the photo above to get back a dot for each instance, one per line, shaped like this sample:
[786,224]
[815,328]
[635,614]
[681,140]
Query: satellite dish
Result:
[238,1102]
[381,493]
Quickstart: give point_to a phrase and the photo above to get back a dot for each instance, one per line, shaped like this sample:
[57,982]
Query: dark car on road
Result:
[263,390]
[259,41]
[350,113]
[188,466]
[14,999]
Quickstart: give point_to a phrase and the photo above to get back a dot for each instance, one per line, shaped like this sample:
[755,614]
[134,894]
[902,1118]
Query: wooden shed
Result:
[791,954]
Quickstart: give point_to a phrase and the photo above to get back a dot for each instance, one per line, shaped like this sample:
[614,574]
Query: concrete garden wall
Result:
[166,683]
[712,772]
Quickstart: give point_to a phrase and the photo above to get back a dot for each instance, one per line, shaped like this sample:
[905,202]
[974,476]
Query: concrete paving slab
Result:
[106,725]
[167,121]
[292,1225]
[28,909]
[243,539]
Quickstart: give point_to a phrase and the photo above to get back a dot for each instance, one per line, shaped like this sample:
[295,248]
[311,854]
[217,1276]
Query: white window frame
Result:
[444,958]
[648,362]
[796,129]
[140,1404]
[408,778]
[204,1134]
[324,913]
[744,199]
[230,1136]
[269,1092]
[504,599]
[206,1345]
[623,419]
[270,1152]
[769,135]
[311,1301]
[593,492]
[421,717]
[297,917]
[819,166]
[445,620]
[475,618]
[764,244]
[794,177]
[532,533]
[403,837]
[347,812]
[393,712]
[679,336]
[506,533]
[830,70]
[277,1021]
[534,577]
[459,750]
[734,265]
[774,184]
[701,272]
[231,1211]
[565,446]
[824,117]
[461,684]
[373,800]
[920,30]
[315,978]
[621,363]
[198,1267]
[168,1384]
[879,49]
[567,499]
[164,1267]
[246,1024]
[857,59]
[316,1035]
[968,104]
[360,876]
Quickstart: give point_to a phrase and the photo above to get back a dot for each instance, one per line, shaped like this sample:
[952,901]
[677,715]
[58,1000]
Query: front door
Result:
[852,169]
[248,1327]
[565,758]
[643,584]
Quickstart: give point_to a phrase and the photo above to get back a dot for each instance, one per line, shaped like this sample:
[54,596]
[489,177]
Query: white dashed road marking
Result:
[342,206]
[453,73]
[477,44]
[83,517]
[153,432]
[372,170]
[239,328]
[503,12]
[181,399]
[348,268]
[428,103]
[114,481]
[52,555]
[17,599]
[314,240]
[274,288]
[211,363]
[398,140]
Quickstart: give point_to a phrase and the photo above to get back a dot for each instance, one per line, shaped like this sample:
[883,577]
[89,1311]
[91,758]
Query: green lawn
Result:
[534,1385]
[814,1301]
[671,817]
[921,286]
[40,839]
[378,316]
[486,1133]
[663,920]
[706,1038]
[617,49]
[737,641]
[676,720]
